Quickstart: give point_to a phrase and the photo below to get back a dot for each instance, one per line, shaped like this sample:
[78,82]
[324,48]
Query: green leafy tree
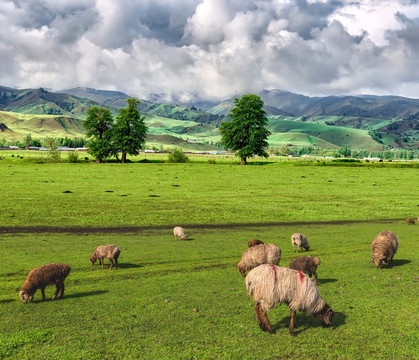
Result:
[177,156]
[28,141]
[130,131]
[246,133]
[98,125]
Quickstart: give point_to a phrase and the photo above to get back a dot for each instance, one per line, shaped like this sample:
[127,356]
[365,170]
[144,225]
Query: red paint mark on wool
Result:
[302,276]
[274,267]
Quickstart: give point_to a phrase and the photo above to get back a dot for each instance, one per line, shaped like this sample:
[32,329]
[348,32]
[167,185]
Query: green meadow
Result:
[173,299]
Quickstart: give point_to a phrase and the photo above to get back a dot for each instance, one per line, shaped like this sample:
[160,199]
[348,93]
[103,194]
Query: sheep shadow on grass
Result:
[305,321]
[399,262]
[325,281]
[129,266]
[86,293]
[6,301]
[389,266]
[71,296]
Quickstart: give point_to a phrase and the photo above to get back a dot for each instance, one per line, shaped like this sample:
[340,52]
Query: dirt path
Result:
[138,229]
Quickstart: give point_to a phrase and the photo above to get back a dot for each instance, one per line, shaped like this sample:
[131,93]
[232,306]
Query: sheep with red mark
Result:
[110,252]
[270,284]
[306,264]
[383,247]
[300,241]
[257,255]
[40,277]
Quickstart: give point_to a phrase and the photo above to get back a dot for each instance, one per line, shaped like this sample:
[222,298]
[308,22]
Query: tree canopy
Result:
[246,133]
[98,125]
[129,131]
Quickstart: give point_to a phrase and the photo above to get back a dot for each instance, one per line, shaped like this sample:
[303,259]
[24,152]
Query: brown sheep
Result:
[383,247]
[179,233]
[257,255]
[300,241]
[106,251]
[410,221]
[254,242]
[40,277]
[270,284]
[307,264]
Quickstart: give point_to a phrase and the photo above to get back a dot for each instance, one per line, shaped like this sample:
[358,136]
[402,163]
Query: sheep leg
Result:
[62,290]
[116,263]
[292,322]
[315,277]
[262,319]
[43,293]
[101,262]
[111,263]
[57,290]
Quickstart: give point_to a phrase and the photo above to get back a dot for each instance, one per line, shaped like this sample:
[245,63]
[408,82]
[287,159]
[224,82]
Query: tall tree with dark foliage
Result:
[130,131]
[246,133]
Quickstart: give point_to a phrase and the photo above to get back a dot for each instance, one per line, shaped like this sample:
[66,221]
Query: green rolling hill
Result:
[46,114]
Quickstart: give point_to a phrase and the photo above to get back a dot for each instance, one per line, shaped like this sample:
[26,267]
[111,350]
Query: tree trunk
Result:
[243,161]
[124,157]
[98,161]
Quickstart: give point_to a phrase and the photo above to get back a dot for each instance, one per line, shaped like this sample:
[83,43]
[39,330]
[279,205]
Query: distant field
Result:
[39,126]
[320,134]
[150,194]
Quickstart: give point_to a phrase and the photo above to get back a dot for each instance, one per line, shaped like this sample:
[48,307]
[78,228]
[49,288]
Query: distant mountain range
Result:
[370,122]
[378,107]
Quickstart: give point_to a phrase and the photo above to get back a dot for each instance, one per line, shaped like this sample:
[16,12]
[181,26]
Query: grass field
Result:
[185,299]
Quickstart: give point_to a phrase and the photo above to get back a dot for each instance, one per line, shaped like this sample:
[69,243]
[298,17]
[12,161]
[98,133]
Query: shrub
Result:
[177,156]
[73,157]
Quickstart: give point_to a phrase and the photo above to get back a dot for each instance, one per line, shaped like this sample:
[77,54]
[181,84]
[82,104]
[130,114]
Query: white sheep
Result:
[179,233]
[110,252]
[299,240]
[270,284]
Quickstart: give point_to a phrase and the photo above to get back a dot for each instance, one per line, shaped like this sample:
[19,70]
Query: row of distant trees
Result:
[395,154]
[46,142]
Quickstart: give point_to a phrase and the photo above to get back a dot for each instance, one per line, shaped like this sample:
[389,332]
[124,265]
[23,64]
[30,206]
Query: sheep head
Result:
[325,315]
[93,259]
[241,268]
[24,296]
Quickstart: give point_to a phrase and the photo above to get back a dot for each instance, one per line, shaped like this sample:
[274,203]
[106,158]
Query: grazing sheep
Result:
[179,233]
[254,242]
[307,264]
[383,247]
[299,240]
[40,277]
[106,251]
[270,284]
[257,255]
[410,221]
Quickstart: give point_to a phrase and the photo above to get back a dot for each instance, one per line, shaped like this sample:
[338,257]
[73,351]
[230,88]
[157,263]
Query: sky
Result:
[212,50]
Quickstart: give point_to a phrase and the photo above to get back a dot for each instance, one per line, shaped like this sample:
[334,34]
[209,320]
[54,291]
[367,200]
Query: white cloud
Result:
[212,49]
